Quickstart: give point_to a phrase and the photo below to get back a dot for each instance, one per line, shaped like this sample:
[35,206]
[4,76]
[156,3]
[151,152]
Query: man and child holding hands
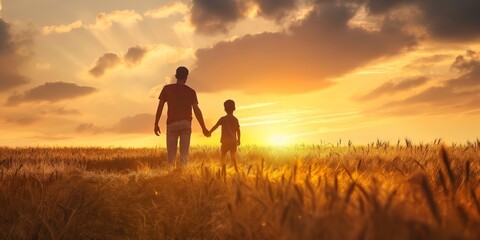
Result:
[181,99]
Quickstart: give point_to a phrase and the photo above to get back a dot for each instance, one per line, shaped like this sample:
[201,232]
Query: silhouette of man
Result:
[180,100]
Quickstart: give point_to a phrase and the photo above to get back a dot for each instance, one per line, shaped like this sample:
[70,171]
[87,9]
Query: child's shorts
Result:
[229,146]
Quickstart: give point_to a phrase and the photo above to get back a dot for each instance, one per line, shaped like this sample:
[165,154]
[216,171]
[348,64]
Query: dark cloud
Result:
[10,60]
[393,87]
[382,6]
[135,55]
[6,45]
[456,20]
[276,9]
[51,92]
[449,20]
[11,80]
[452,20]
[306,58]
[213,16]
[452,95]
[218,16]
[107,61]
[467,63]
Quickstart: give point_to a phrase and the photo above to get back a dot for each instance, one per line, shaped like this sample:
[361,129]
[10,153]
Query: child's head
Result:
[229,106]
[181,74]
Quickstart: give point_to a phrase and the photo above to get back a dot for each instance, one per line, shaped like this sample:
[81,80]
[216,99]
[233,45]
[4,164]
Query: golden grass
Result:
[377,191]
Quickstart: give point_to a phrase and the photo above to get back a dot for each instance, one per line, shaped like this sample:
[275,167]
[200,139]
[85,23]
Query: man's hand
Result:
[206,133]
[238,143]
[157,130]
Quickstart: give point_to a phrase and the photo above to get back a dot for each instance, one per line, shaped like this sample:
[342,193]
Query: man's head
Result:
[181,74]
[229,106]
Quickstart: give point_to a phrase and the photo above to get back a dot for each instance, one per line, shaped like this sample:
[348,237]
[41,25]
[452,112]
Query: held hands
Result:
[156,130]
[206,133]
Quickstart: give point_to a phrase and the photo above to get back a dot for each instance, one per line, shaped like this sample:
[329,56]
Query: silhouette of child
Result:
[230,134]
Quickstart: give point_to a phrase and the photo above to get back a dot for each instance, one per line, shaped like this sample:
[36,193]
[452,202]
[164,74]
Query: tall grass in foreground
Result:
[377,191]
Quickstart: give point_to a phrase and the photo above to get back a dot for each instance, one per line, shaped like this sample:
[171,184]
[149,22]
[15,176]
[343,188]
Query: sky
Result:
[88,73]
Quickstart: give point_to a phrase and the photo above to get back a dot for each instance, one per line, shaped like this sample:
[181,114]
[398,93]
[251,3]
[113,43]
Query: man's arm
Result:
[238,135]
[199,116]
[156,129]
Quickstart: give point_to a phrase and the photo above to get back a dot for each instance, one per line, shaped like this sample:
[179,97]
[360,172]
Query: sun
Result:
[280,140]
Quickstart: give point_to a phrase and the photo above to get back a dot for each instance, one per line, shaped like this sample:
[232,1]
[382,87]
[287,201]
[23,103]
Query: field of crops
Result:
[376,191]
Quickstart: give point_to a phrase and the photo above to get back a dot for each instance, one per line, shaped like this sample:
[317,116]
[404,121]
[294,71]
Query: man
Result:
[180,99]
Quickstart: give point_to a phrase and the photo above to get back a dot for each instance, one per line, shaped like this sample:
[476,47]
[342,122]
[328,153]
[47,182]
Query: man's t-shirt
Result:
[230,127]
[180,99]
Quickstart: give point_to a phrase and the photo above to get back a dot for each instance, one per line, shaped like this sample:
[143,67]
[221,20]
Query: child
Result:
[230,134]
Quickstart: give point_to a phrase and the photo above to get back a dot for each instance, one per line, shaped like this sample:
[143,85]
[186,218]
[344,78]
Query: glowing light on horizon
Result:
[280,140]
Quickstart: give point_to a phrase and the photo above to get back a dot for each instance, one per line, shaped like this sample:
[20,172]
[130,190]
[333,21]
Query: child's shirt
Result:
[230,126]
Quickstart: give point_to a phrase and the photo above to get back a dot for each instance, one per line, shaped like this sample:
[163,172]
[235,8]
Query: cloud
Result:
[305,58]
[167,10]
[452,95]
[11,80]
[425,62]
[276,9]
[64,28]
[107,61]
[140,123]
[393,87]
[103,21]
[213,16]
[218,16]
[125,18]
[468,63]
[50,92]
[135,55]
[89,128]
[22,120]
[61,111]
[10,59]
[452,20]
[448,20]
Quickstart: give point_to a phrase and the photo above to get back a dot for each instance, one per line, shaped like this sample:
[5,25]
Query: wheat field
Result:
[375,191]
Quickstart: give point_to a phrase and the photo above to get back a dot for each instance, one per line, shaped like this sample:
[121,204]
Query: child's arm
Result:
[215,127]
[238,136]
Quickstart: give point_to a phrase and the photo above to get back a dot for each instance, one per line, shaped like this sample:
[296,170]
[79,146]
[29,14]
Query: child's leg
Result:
[223,162]
[234,159]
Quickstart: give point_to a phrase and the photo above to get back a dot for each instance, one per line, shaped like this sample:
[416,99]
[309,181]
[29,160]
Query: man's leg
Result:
[185,144]
[172,141]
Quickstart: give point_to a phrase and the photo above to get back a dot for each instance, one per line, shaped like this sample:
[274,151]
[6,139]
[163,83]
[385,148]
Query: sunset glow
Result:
[280,140]
[88,73]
